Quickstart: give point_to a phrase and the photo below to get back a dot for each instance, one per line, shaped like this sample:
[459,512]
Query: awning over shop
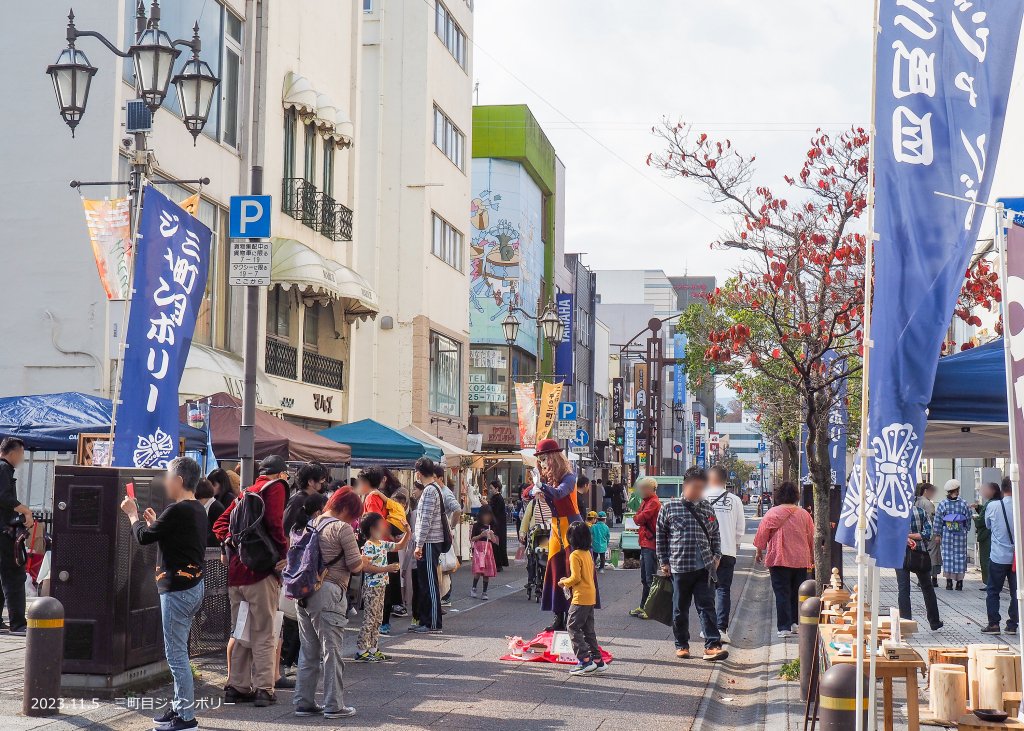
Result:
[967,414]
[374,443]
[209,371]
[452,454]
[332,121]
[273,436]
[296,264]
[53,421]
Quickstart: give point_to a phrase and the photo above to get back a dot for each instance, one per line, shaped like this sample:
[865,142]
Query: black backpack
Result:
[247,533]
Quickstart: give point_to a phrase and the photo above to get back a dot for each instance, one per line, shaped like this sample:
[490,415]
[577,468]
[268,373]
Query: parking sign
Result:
[249,217]
[567,411]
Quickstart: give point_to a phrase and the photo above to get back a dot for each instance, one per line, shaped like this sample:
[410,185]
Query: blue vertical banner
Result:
[679,369]
[171,264]
[943,80]
[838,421]
[563,352]
[629,448]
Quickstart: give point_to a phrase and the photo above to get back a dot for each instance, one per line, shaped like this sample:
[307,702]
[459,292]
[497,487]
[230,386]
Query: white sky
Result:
[764,73]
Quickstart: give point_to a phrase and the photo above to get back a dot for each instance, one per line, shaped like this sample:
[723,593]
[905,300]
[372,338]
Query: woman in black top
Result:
[214,508]
[223,488]
[497,503]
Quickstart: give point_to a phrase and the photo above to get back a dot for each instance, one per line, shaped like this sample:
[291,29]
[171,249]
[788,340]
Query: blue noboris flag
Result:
[563,351]
[172,259]
[679,369]
[943,78]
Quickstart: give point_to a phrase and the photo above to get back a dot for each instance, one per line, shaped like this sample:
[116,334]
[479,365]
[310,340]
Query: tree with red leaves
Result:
[799,293]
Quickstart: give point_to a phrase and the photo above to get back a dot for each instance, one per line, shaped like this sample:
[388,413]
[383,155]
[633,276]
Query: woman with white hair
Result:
[952,521]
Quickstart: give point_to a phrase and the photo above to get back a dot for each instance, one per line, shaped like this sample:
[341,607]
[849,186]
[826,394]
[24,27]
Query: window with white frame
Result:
[367,6]
[448,138]
[450,34]
[445,375]
[446,242]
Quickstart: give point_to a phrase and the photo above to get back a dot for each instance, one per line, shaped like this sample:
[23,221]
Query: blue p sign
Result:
[249,217]
[567,411]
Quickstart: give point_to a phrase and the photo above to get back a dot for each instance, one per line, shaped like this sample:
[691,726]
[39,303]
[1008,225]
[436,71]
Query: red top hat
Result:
[547,446]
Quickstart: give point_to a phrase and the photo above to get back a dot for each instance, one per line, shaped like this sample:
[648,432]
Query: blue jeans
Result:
[693,587]
[648,568]
[723,594]
[997,574]
[177,608]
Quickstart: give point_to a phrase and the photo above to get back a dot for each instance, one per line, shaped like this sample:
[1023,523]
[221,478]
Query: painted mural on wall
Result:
[506,251]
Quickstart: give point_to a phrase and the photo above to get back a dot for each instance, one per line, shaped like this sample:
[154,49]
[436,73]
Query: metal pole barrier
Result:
[810,609]
[247,430]
[44,654]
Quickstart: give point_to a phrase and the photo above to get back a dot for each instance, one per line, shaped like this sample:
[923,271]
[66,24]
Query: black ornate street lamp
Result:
[153,55]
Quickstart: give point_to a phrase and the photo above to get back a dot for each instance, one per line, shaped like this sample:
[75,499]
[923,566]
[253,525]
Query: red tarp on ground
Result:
[544,640]
[273,435]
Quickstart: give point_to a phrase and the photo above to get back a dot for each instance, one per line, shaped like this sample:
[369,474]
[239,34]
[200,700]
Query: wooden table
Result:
[1011,702]
[970,721]
[886,670]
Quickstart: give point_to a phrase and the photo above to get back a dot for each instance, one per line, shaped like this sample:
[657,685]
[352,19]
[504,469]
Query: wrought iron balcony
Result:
[302,201]
[319,370]
[334,219]
[299,200]
[282,359]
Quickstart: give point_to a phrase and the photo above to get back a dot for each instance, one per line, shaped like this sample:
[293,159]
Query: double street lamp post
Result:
[551,327]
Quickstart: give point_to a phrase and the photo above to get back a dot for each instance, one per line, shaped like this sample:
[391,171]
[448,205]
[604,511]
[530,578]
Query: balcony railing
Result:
[299,200]
[282,359]
[319,370]
[334,218]
[302,201]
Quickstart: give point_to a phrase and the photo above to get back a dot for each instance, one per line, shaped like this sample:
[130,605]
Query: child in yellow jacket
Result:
[583,583]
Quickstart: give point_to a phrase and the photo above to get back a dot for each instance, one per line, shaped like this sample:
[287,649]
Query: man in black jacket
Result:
[12,576]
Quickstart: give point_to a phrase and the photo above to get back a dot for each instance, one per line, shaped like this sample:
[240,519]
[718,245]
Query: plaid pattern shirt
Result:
[919,523]
[682,543]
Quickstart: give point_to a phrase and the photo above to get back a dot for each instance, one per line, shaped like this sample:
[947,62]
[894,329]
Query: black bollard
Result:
[838,696]
[807,589]
[809,611]
[44,653]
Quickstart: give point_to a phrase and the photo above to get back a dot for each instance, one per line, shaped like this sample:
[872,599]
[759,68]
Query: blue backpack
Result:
[305,570]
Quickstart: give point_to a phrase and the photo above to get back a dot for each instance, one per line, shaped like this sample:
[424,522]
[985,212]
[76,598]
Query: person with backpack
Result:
[311,479]
[433,537]
[180,532]
[1001,566]
[732,523]
[320,567]
[252,529]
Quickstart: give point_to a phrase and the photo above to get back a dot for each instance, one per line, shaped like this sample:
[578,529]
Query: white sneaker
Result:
[472,592]
[794,628]
[725,637]
[702,634]
[783,634]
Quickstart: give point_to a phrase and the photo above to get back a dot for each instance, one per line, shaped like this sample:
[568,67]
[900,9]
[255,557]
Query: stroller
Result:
[536,560]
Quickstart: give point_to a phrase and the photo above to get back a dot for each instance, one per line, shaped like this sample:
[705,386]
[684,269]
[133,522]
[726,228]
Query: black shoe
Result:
[233,695]
[18,631]
[264,698]
[169,716]
[177,724]
[1011,628]
[992,629]
[937,627]
[982,588]
[949,584]
[284,683]
[935,581]
[959,586]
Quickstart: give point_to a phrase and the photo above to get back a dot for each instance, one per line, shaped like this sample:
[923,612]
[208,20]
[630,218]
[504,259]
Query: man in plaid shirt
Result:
[689,549]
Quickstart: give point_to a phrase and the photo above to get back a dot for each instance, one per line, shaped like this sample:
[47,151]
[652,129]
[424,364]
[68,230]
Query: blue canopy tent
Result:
[967,414]
[373,443]
[53,421]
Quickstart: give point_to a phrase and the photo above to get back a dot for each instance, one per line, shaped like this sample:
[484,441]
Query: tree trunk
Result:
[790,460]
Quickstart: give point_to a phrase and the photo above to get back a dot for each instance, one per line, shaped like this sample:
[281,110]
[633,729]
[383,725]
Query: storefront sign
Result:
[323,402]
[480,391]
[629,448]
[500,434]
[563,351]
[487,358]
[618,400]
[550,395]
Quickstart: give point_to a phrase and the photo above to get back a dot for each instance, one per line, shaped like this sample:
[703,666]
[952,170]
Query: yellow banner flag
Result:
[550,395]
[191,204]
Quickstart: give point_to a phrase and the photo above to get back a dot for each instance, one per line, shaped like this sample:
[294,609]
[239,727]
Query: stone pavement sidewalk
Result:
[456,680]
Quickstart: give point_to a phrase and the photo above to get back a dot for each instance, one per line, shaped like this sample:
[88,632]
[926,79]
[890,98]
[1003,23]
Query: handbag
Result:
[659,600]
[712,571]
[917,562]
